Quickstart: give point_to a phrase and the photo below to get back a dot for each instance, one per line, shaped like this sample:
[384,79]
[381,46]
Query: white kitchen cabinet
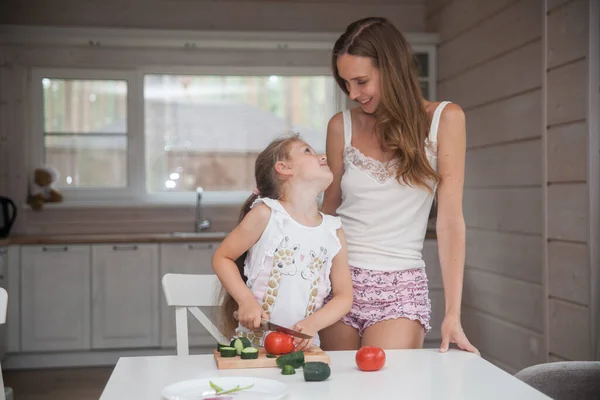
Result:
[12,279]
[125,284]
[185,258]
[55,297]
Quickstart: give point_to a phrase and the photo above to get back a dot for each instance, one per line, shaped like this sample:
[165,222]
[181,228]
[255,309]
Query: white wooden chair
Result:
[3,307]
[187,292]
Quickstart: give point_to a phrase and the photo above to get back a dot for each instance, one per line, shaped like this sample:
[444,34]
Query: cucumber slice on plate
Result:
[228,352]
[249,353]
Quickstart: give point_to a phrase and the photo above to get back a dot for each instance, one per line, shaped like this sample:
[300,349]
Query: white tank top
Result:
[384,221]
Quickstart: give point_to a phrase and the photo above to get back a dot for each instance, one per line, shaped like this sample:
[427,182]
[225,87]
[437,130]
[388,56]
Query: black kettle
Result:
[8,214]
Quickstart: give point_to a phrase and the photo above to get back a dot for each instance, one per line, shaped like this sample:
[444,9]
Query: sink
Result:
[199,235]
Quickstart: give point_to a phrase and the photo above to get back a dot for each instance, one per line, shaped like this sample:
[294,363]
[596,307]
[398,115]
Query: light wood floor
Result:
[58,384]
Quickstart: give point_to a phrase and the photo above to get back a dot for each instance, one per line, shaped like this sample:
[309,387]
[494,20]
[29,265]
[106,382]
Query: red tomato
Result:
[370,358]
[279,343]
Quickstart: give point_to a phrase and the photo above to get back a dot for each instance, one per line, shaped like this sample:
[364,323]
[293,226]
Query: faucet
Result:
[201,223]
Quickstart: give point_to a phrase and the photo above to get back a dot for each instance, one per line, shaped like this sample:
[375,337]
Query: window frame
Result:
[431,77]
[136,189]
[223,197]
[135,174]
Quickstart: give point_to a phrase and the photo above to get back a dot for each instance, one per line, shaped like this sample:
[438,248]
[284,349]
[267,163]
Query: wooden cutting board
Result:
[314,354]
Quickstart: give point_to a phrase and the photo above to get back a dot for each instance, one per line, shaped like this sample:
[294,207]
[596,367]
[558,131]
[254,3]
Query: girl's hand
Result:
[305,326]
[452,332]
[250,313]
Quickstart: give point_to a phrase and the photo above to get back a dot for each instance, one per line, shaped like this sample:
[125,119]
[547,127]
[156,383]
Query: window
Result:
[85,131]
[207,130]
[425,59]
[150,136]
[84,126]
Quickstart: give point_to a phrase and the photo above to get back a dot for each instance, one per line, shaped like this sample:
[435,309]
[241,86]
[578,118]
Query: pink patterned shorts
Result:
[381,295]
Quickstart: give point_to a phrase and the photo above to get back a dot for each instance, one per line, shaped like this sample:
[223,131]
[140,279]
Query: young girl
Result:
[285,257]
[389,157]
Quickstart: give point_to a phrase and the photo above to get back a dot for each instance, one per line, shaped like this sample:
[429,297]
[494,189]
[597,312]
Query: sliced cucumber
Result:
[288,370]
[246,342]
[221,345]
[249,353]
[271,356]
[240,344]
[227,352]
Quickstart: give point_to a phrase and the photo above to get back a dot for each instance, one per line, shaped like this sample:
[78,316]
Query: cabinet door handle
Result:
[200,246]
[60,249]
[125,248]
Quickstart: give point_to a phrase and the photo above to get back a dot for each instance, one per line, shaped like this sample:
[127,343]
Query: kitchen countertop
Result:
[169,237]
[115,238]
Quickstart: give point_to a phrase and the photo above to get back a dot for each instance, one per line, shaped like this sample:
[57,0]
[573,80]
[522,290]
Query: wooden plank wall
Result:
[490,63]
[237,15]
[594,170]
[521,70]
[568,218]
[3,135]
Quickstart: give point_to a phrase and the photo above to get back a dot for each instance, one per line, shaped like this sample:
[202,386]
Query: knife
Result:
[269,326]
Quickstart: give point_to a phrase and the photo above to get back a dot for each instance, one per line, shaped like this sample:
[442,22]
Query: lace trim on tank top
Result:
[379,171]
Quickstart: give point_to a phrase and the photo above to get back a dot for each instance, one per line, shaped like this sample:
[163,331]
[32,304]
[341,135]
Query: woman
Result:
[389,157]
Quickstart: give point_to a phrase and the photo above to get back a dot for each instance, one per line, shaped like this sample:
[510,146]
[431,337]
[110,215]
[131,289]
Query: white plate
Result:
[199,389]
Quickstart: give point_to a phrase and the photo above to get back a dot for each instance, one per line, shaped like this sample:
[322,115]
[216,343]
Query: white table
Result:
[408,374]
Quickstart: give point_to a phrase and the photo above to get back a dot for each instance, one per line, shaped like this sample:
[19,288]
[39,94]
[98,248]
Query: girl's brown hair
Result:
[401,119]
[268,184]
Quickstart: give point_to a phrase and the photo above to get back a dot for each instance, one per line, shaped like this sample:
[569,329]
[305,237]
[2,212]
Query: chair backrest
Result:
[187,292]
[564,380]
[191,290]
[3,305]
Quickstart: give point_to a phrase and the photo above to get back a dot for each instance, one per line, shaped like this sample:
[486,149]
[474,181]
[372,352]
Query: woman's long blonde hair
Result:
[401,120]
